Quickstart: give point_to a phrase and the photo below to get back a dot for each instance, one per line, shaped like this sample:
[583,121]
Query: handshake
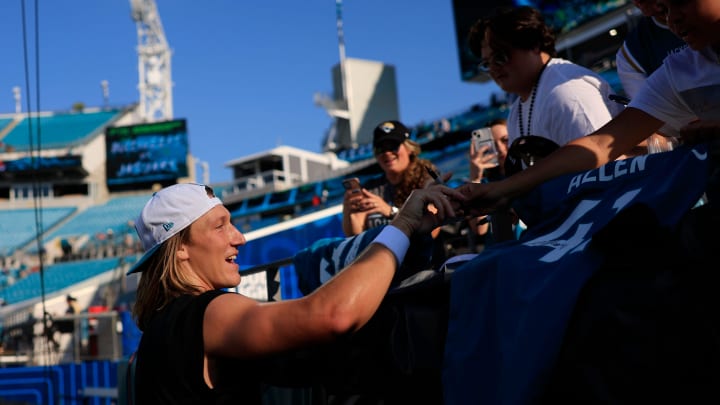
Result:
[437,204]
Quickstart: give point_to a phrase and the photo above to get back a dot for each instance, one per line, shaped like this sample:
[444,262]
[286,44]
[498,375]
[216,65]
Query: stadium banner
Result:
[146,153]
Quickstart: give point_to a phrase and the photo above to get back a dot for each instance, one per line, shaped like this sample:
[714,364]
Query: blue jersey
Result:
[511,304]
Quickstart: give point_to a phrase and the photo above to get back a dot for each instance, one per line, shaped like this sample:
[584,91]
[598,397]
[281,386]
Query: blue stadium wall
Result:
[285,244]
[62,384]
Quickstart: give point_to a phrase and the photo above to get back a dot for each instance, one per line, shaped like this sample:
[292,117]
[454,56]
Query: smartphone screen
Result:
[483,137]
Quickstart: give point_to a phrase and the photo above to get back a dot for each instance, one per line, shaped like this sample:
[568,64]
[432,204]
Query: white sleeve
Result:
[659,99]
[631,74]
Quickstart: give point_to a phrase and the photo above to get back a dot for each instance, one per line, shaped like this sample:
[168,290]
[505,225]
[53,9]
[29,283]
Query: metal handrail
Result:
[267,266]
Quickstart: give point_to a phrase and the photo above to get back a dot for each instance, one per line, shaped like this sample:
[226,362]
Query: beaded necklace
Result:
[532,104]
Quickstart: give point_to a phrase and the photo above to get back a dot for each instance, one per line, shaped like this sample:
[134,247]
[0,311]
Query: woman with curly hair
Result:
[377,202]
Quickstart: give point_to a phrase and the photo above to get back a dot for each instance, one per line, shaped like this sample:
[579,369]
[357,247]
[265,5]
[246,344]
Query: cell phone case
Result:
[482,137]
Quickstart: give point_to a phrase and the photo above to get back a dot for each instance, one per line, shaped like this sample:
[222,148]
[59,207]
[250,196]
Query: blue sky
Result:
[244,71]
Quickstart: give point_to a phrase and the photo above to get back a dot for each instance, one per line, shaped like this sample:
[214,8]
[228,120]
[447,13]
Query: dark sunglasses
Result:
[497,59]
[388,147]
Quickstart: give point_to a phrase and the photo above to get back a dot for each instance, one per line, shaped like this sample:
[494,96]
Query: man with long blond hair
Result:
[201,344]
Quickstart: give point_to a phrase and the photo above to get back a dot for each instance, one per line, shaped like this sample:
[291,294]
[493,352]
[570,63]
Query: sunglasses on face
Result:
[380,149]
[497,59]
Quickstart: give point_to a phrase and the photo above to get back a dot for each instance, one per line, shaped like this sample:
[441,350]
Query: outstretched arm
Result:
[616,137]
[235,325]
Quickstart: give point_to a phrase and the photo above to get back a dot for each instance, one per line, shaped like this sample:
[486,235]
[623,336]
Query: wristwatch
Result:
[393,211]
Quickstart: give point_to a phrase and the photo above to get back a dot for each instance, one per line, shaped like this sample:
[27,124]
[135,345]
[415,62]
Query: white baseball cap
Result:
[168,212]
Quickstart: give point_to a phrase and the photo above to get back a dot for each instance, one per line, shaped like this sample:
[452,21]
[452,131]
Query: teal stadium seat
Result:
[60,130]
[114,215]
[17,227]
[57,277]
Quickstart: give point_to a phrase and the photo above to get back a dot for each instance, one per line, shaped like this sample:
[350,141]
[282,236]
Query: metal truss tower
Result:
[155,80]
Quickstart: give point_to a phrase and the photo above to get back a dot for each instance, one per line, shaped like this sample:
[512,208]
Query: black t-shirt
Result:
[379,186]
[170,360]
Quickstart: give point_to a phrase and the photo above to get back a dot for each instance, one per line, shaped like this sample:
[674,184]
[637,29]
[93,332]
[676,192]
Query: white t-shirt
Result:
[685,89]
[571,101]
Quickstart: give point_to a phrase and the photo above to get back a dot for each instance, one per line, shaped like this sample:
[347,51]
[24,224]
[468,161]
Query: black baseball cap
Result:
[393,131]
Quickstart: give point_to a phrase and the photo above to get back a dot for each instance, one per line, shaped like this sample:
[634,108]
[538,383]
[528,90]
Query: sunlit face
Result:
[514,70]
[697,22]
[500,135]
[212,249]
[393,161]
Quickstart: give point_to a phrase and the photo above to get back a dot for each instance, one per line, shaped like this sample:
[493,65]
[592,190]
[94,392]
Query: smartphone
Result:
[353,184]
[482,137]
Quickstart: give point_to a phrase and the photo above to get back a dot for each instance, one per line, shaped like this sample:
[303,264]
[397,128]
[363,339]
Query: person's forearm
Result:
[340,306]
[352,223]
[346,223]
[476,173]
[568,159]
[606,144]
[352,296]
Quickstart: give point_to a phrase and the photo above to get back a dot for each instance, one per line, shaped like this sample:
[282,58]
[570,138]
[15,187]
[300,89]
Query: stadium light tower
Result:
[155,82]
[205,166]
[337,106]
[341,46]
[105,86]
[17,96]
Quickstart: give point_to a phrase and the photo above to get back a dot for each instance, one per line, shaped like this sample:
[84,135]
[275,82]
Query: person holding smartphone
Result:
[377,201]
[682,93]
[556,99]
[485,167]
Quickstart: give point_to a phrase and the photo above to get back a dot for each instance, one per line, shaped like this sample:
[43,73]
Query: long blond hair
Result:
[162,280]
[415,176]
